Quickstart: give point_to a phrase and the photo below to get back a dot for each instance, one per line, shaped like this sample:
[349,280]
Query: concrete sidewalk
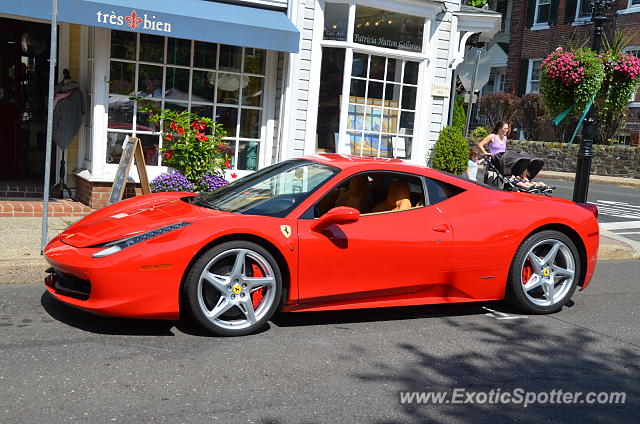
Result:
[596,179]
[21,262]
[20,259]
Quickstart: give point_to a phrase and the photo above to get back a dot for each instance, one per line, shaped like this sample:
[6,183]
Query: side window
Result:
[373,192]
[437,191]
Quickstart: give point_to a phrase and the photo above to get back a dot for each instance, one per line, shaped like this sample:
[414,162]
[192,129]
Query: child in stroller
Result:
[515,171]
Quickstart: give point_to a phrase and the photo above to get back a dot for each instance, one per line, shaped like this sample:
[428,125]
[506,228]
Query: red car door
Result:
[382,254]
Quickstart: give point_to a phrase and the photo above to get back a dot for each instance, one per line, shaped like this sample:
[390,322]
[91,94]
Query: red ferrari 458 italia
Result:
[323,232]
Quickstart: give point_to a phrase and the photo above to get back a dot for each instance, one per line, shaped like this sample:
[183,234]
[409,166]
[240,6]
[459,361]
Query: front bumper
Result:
[68,285]
[141,282]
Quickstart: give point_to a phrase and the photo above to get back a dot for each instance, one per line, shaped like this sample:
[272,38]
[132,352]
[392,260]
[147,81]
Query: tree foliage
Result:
[499,107]
[479,133]
[533,116]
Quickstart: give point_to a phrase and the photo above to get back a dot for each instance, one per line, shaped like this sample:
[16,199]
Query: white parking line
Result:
[618,209]
[501,315]
[622,225]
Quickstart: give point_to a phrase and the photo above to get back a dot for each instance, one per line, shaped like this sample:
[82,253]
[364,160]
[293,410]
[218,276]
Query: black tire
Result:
[555,286]
[205,296]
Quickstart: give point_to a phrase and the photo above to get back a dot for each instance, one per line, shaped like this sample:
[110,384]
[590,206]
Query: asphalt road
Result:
[61,365]
[619,207]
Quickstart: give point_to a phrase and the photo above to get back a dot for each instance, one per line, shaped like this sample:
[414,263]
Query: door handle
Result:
[442,228]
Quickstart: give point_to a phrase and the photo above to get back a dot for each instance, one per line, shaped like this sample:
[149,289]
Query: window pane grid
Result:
[243,104]
[380,128]
[195,68]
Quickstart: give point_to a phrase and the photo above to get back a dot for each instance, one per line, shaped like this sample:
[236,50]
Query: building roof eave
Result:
[483,21]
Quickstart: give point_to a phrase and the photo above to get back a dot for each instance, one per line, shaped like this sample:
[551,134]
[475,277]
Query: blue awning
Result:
[190,19]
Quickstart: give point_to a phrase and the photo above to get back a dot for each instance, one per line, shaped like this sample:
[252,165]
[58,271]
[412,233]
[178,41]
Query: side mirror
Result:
[338,216]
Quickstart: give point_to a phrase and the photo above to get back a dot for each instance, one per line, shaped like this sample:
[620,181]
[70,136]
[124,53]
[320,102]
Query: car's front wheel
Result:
[233,288]
[544,273]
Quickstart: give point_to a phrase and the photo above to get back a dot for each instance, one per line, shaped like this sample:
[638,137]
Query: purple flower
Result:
[171,181]
[210,182]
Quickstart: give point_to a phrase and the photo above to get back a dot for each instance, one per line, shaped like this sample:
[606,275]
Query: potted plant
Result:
[193,146]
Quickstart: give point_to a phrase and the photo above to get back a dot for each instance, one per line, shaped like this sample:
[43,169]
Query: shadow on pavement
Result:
[103,325]
[98,324]
[511,355]
[349,316]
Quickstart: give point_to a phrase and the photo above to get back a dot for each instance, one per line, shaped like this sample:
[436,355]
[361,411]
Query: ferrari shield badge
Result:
[237,289]
[546,272]
[286,230]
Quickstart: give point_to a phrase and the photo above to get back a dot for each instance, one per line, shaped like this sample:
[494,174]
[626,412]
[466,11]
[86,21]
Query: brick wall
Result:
[96,194]
[532,44]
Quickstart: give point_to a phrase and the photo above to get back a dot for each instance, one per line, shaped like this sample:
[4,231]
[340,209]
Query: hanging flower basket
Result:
[622,79]
[570,78]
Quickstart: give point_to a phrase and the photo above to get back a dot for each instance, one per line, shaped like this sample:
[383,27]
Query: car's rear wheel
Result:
[544,273]
[233,288]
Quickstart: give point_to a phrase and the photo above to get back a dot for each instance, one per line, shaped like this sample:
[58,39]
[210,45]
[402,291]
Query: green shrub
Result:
[459,118]
[479,133]
[451,152]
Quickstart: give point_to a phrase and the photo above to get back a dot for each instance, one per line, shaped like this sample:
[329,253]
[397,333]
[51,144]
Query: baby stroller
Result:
[505,171]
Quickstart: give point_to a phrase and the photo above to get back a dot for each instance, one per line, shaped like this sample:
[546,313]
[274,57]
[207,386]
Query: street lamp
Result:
[585,153]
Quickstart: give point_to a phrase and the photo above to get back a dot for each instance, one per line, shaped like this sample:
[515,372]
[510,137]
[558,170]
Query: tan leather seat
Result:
[357,195]
[397,198]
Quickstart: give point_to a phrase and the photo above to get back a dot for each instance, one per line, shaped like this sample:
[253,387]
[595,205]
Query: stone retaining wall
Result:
[613,161]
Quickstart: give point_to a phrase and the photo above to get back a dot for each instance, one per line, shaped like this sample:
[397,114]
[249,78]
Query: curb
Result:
[614,246]
[608,252]
[599,179]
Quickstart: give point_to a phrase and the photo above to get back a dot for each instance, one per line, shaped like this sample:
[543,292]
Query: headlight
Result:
[117,245]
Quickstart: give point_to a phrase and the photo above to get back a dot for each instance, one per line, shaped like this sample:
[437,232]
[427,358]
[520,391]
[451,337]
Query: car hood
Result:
[117,222]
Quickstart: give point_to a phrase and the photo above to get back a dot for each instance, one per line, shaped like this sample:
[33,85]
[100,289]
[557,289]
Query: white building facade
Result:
[374,77]
[363,77]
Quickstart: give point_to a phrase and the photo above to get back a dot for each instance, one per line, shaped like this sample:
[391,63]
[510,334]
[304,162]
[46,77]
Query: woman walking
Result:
[497,141]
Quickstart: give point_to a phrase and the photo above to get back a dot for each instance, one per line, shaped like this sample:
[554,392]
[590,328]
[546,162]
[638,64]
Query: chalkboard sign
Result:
[132,150]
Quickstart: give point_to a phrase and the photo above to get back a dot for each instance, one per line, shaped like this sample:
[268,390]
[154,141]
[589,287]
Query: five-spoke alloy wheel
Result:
[544,273]
[234,288]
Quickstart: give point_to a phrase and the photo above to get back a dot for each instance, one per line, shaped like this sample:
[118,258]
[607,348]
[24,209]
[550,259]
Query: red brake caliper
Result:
[256,296]
[527,272]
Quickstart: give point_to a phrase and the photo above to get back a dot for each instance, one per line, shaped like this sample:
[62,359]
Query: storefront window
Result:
[382,105]
[336,21]
[368,107]
[222,82]
[383,28]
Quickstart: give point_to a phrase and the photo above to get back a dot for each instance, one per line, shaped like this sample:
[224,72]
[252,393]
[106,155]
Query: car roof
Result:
[352,164]
[349,161]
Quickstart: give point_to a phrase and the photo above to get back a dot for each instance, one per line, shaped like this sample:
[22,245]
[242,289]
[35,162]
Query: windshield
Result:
[273,191]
